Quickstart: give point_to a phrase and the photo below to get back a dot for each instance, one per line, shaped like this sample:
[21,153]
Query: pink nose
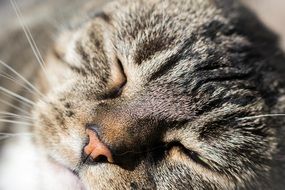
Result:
[96,148]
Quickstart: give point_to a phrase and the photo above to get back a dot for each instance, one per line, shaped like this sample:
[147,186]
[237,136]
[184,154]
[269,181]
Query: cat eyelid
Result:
[115,92]
[117,89]
[193,155]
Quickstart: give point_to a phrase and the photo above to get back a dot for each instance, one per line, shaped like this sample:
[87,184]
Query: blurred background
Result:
[272,13]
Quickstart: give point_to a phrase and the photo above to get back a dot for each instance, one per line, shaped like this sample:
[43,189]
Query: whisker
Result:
[15,107]
[20,76]
[15,122]
[23,104]
[29,36]
[140,152]
[4,136]
[17,82]
[17,96]
[15,134]
[7,76]
[10,117]
[260,116]
[14,115]
[12,78]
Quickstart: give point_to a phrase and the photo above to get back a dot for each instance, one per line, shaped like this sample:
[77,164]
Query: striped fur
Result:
[171,85]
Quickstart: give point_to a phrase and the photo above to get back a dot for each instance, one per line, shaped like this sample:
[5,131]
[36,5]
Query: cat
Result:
[163,94]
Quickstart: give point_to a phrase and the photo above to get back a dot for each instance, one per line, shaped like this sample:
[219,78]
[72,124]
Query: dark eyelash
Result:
[191,154]
[119,62]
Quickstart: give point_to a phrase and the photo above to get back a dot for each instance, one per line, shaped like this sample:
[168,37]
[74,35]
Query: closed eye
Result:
[194,156]
[115,92]
[117,89]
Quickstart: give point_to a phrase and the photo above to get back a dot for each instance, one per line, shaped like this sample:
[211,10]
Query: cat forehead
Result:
[137,29]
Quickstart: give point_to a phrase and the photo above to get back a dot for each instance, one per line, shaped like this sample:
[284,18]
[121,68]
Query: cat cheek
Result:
[64,146]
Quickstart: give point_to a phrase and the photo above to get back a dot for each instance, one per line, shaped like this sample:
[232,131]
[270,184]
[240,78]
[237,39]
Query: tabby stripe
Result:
[230,77]
[149,48]
[85,57]
[78,70]
[172,61]
[86,67]
[234,99]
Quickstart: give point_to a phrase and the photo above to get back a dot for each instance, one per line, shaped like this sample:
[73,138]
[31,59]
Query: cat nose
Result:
[95,148]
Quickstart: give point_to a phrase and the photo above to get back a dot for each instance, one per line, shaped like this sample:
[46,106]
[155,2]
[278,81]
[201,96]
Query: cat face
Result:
[165,89]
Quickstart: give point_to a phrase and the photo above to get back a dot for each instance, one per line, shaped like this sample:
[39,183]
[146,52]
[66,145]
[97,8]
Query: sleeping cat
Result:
[163,94]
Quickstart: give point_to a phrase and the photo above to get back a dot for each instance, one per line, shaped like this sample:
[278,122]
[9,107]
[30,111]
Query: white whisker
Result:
[21,77]
[17,82]
[29,36]
[15,115]
[4,136]
[15,122]
[7,76]
[10,117]
[260,116]
[15,134]
[15,107]
[17,96]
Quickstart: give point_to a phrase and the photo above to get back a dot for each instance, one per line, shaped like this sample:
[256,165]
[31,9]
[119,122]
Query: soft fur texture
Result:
[176,89]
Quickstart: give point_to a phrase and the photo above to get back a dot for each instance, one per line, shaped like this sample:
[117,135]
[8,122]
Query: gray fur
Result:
[194,70]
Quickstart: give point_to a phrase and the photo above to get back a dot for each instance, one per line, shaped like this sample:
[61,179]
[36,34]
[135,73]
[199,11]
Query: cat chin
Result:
[64,176]
[24,167]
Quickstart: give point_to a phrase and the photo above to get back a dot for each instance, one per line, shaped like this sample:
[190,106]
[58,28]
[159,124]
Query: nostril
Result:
[101,159]
[97,150]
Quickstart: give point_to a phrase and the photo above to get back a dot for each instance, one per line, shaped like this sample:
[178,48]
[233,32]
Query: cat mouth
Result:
[87,160]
